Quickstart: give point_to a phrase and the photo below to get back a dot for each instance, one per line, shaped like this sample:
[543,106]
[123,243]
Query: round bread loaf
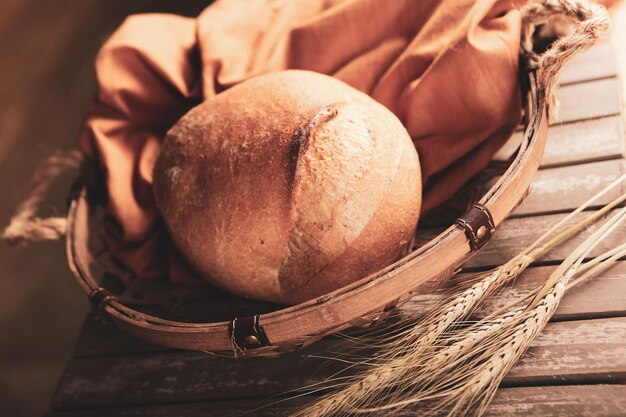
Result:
[288,186]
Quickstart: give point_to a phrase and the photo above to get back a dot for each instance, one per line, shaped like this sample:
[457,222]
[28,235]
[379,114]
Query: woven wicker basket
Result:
[369,299]
[365,300]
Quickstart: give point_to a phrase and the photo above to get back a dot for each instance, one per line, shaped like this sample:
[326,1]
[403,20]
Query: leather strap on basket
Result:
[246,333]
[478,225]
[100,297]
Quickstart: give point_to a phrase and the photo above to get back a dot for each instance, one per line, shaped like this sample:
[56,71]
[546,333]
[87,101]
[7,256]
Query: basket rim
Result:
[298,325]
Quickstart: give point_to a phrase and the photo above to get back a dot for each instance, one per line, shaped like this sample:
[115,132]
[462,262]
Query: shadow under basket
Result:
[219,323]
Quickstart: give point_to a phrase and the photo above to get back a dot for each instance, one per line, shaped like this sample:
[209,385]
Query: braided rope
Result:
[25,226]
[589,22]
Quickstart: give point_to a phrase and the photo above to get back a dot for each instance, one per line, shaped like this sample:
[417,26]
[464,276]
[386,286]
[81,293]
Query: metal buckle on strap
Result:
[246,333]
[478,225]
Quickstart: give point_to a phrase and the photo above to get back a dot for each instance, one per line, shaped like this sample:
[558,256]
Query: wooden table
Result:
[576,367]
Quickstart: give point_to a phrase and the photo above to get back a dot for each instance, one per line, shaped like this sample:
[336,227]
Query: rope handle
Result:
[25,226]
[588,22]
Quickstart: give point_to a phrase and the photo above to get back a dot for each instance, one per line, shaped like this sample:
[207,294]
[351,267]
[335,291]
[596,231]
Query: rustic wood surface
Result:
[568,352]
[566,401]
[578,142]
[576,367]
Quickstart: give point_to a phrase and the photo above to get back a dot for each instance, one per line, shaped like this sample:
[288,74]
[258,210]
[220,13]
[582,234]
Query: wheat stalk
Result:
[592,268]
[516,337]
[482,354]
[413,349]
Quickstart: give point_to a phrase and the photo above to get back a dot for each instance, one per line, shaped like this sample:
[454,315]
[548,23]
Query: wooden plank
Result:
[569,400]
[602,296]
[574,351]
[566,188]
[516,234]
[553,190]
[585,142]
[595,63]
[588,100]
[182,376]
[571,144]
[580,142]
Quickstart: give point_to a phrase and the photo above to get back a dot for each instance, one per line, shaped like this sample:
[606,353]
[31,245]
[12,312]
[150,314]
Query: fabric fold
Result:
[446,68]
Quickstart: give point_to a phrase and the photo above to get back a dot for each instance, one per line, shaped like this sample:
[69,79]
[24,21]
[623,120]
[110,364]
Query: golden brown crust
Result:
[288,186]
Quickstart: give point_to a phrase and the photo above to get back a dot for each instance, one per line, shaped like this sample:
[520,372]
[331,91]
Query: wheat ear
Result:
[414,347]
[517,338]
[464,375]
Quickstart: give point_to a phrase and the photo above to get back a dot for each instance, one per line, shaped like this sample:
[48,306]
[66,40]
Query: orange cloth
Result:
[446,68]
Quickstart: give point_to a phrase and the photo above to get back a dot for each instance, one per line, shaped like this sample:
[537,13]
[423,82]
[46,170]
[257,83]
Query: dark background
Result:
[46,83]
